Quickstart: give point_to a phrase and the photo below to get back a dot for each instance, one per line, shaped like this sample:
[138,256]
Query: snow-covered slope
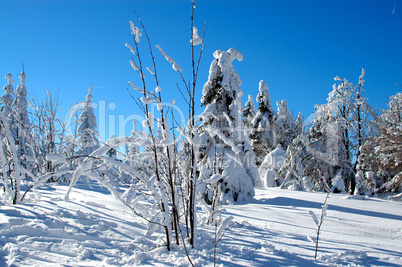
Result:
[94,229]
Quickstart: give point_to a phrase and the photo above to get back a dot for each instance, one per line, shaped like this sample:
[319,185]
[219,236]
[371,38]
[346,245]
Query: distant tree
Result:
[249,111]
[8,98]
[15,150]
[362,121]
[22,126]
[45,122]
[389,145]
[299,125]
[262,126]
[87,133]
[285,129]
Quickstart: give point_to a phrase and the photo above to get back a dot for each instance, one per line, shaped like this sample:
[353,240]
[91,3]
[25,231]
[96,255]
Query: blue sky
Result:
[297,47]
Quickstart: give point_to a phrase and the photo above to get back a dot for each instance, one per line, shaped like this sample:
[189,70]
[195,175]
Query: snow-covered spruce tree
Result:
[262,134]
[22,126]
[299,125]
[13,173]
[13,163]
[285,129]
[8,98]
[290,174]
[249,111]
[389,145]
[225,148]
[87,133]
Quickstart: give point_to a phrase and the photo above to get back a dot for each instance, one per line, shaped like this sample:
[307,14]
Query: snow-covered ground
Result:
[94,229]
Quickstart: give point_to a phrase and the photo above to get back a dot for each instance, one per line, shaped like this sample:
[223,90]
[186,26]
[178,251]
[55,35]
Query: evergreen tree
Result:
[8,97]
[87,133]
[262,136]
[225,149]
[22,126]
[284,128]
[299,125]
[249,111]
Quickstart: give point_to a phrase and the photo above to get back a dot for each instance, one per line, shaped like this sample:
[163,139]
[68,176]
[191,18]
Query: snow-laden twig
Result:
[319,223]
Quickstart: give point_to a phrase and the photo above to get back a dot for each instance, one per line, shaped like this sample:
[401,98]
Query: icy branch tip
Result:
[195,38]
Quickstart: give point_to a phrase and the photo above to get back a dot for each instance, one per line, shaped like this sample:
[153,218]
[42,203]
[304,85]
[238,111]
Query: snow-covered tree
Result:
[285,130]
[249,111]
[45,122]
[225,148]
[22,126]
[87,133]
[322,150]
[13,174]
[389,145]
[290,175]
[335,125]
[299,125]
[8,97]
[262,135]
[362,121]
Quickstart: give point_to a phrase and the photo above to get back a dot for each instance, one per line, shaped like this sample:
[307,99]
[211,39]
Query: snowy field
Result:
[94,229]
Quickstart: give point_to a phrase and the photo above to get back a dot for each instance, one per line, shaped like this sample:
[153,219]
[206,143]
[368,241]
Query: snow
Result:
[135,67]
[95,229]
[196,39]
[56,158]
[175,66]
[271,165]
[147,100]
[150,71]
[131,48]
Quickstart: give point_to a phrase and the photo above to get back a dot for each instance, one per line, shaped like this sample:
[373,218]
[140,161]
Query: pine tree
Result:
[262,136]
[299,125]
[284,127]
[249,111]
[87,133]
[22,126]
[8,97]
[224,146]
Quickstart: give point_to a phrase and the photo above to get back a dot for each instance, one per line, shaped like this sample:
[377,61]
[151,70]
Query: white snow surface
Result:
[95,229]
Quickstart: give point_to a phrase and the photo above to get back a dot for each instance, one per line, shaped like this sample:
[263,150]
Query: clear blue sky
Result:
[297,47]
